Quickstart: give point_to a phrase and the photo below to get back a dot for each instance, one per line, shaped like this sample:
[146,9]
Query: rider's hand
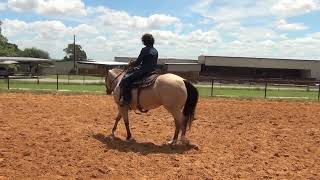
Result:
[131,63]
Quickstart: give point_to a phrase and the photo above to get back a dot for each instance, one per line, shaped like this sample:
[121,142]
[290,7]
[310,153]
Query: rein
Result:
[116,79]
[111,84]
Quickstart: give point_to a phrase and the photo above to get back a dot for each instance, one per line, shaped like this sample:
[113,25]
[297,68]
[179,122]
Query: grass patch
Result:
[53,86]
[73,77]
[256,93]
[204,91]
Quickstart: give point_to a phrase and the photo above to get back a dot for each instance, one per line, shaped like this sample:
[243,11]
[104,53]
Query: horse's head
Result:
[111,80]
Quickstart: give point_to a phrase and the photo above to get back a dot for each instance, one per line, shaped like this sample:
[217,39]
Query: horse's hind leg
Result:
[176,133]
[178,120]
[184,140]
[117,119]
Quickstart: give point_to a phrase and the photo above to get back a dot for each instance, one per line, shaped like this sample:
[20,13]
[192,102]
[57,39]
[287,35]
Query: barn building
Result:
[223,67]
[245,67]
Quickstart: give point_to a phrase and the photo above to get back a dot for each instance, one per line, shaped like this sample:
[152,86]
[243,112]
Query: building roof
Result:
[8,62]
[161,61]
[182,64]
[259,62]
[25,60]
[261,58]
[107,63]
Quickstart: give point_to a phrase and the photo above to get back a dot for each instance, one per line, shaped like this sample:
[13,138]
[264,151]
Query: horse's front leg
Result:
[117,119]
[124,113]
[126,122]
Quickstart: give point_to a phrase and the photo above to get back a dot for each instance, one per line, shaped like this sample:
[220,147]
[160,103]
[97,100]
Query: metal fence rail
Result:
[208,87]
[310,88]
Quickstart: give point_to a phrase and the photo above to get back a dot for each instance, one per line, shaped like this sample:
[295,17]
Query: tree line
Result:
[8,49]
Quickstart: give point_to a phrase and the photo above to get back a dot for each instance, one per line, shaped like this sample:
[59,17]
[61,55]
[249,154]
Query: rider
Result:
[144,65]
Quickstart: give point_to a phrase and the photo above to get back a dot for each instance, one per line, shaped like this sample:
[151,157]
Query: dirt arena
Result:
[59,136]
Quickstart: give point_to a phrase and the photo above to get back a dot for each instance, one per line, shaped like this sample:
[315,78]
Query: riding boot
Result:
[125,99]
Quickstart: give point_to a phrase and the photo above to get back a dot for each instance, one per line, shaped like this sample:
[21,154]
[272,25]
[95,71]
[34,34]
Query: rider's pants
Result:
[127,81]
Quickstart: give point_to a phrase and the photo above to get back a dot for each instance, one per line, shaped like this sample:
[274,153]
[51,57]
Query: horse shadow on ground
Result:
[144,148]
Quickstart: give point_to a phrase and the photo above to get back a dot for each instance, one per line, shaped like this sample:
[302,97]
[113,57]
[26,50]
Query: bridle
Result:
[110,90]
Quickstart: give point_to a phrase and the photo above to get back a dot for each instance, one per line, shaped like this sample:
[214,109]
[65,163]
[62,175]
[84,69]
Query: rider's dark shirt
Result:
[147,59]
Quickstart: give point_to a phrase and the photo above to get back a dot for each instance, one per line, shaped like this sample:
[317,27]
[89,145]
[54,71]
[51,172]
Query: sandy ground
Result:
[58,137]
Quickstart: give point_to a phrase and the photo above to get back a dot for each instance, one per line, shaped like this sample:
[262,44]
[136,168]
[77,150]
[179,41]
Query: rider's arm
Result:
[140,58]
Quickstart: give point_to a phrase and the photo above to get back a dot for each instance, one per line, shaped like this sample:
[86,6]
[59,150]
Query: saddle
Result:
[145,82]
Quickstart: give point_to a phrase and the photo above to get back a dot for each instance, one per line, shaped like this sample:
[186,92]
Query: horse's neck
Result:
[116,78]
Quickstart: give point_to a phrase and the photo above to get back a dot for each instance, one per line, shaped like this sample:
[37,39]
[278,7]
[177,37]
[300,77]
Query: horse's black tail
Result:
[191,103]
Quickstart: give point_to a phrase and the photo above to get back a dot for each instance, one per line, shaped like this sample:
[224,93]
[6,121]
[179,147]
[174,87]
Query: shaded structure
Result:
[24,65]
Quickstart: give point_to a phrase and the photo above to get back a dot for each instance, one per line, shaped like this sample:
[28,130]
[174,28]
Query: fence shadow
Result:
[144,148]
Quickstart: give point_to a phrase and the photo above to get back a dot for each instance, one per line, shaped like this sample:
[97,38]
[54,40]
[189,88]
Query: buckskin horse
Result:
[176,94]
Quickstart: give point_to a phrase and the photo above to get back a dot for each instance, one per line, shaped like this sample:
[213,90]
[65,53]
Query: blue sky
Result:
[182,28]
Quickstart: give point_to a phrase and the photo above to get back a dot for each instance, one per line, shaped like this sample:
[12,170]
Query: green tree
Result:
[8,49]
[35,53]
[80,54]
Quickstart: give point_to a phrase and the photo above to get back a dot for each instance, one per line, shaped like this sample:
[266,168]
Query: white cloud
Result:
[105,33]
[224,11]
[268,43]
[251,34]
[295,7]
[49,35]
[50,7]
[13,27]
[195,37]
[84,29]
[46,29]
[121,19]
[23,5]
[3,6]
[228,25]
[315,35]
[201,5]
[283,25]
[230,10]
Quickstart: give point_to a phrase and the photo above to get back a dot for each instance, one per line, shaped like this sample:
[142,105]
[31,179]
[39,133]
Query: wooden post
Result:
[265,90]
[8,81]
[319,91]
[57,82]
[74,52]
[212,82]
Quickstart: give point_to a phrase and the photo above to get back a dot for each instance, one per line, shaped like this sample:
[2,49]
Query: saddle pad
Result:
[146,81]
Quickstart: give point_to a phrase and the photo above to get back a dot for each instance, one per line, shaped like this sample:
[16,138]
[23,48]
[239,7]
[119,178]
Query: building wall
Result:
[161,61]
[63,67]
[305,65]
[183,67]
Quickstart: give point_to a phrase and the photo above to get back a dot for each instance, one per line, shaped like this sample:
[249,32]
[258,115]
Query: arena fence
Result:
[207,86]
[264,88]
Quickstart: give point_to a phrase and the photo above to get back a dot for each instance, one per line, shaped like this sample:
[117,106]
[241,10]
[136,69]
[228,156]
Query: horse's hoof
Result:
[113,134]
[185,142]
[130,140]
[172,142]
